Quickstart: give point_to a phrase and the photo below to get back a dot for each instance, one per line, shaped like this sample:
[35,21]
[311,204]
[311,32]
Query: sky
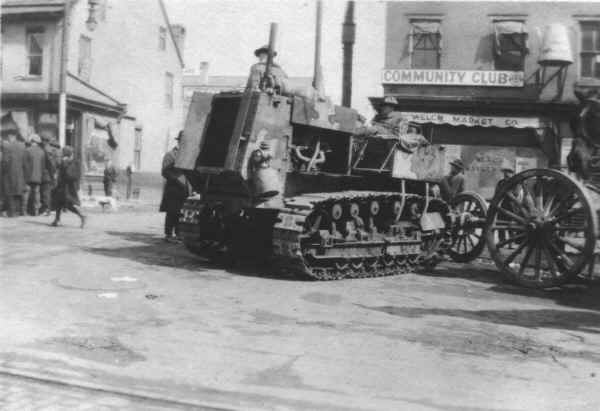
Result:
[225,33]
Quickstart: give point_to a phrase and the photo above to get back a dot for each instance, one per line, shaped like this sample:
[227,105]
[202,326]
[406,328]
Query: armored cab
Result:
[290,180]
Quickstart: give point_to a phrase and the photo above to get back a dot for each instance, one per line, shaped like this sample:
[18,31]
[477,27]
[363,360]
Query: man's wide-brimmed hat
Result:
[389,101]
[458,164]
[507,166]
[35,139]
[264,49]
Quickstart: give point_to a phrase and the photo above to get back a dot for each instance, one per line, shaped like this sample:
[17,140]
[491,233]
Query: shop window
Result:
[137,149]
[425,44]
[162,38]
[510,45]
[85,58]
[590,49]
[169,90]
[35,50]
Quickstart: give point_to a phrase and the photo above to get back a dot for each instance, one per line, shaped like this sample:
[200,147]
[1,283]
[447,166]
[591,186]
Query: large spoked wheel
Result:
[541,228]
[470,211]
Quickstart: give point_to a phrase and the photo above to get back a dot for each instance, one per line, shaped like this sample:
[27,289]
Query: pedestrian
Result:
[507,172]
[174,193]
[129,174]
[110,178]
[65,195]
[454,183]
[48,175]
[278,78]
[13,172]
[35,162]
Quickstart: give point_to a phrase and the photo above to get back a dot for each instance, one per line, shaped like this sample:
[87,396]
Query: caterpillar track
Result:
[325,236]
[351,234]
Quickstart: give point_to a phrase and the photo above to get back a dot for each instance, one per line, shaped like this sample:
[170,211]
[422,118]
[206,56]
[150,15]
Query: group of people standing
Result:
[37,177]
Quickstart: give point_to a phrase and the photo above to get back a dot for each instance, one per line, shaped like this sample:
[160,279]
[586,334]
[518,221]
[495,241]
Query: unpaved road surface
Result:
[111,317]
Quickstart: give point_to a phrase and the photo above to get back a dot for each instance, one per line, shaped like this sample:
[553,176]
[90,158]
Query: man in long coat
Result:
[13,173]
[66,195]
[35,162]
[174,193]
[48,174]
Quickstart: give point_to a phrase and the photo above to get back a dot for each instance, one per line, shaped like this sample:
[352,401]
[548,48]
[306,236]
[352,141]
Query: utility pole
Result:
[64,62]
[318,73]
[348,37]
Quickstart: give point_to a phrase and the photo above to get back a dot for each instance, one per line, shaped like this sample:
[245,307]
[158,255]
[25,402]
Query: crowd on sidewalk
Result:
[37,176]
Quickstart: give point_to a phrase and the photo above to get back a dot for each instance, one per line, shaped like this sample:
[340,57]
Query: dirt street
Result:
[113,310]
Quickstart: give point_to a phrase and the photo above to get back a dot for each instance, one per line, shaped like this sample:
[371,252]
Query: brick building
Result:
[470,74]
[122,76]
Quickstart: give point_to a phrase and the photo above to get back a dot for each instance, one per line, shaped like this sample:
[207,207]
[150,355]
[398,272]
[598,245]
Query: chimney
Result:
[204,66]
[179,36]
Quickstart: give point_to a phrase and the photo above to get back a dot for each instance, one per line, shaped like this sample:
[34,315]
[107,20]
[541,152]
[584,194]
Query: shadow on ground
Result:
[153,250]
[579,294]
[545,318]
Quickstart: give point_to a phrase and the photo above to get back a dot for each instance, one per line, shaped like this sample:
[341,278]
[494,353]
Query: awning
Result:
[83,92]
[15,7]
[509,27]
[425,26]
[475,120]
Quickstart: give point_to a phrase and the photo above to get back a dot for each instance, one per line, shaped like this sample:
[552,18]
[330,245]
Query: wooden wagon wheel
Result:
[541,228]
[470,210]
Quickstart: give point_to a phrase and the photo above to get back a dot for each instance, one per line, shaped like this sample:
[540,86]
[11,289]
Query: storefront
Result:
[487,134]
[97,126]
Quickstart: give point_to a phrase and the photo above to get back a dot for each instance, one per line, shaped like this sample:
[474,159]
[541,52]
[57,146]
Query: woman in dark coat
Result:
[175,191]
[65,194]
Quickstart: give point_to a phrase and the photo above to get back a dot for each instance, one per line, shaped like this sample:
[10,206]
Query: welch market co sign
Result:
[475,121]
[483,78]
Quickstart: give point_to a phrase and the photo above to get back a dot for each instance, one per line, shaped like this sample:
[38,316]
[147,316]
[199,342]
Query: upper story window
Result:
[590,49]
[162,38]
[425,44]
[510,45]
[169,90]
[85,58]
[35,50]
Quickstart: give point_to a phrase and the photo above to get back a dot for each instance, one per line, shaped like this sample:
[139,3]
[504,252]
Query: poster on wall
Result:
[525,163]
[96,151]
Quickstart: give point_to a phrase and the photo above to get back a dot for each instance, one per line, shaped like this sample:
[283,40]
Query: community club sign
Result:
[483,78]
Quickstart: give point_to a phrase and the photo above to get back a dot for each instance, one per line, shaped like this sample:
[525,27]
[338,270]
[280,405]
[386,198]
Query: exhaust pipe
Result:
[348,37]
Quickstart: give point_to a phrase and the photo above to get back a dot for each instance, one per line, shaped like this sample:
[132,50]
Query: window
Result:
[162,38]
[35,50]
[590,49]
[85,58]
[425,44]
[510,45]
[137,149]
[169,90]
